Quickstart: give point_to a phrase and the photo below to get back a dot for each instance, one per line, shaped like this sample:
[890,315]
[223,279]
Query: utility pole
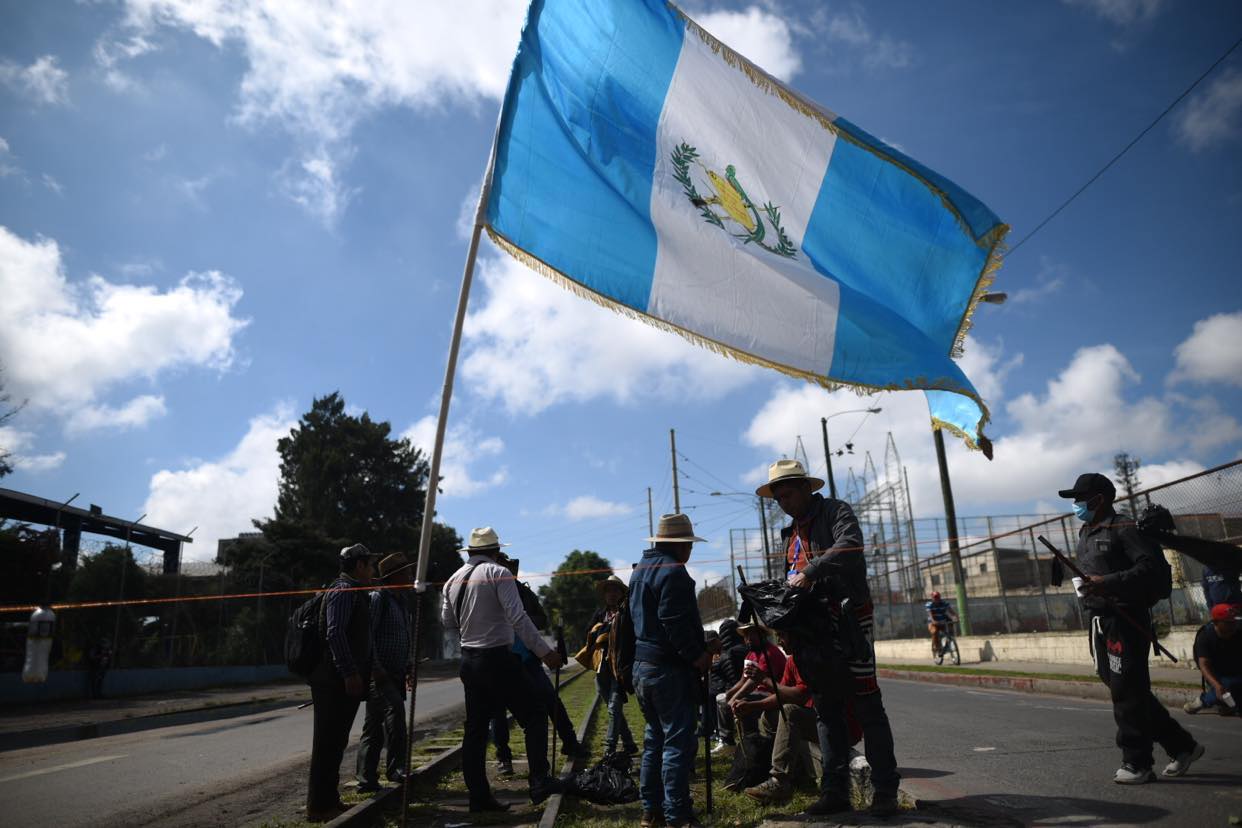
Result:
[672,441]
[950,516]
[767,550]
[650,520]
[832,484]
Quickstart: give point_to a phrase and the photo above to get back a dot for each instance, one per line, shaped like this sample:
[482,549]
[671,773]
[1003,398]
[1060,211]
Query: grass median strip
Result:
[980,671]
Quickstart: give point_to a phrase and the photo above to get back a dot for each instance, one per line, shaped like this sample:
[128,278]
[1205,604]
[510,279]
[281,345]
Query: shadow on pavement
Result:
[1017,809]
[923,773]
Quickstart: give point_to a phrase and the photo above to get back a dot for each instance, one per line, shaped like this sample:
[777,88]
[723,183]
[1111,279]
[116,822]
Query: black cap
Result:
[1089,485]
[352,553]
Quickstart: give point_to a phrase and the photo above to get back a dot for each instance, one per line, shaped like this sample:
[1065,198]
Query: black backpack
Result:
[1160,586]
[530,603]
[303,637]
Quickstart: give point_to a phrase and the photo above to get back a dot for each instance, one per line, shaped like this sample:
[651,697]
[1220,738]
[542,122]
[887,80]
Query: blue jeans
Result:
[1233,686]
[669,699]
[618,728]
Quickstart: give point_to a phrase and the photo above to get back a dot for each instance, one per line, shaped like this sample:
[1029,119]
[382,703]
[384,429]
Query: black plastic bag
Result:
[775,603]
[608,782]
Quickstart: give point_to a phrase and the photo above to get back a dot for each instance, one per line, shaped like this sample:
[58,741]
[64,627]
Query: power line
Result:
[1125,149]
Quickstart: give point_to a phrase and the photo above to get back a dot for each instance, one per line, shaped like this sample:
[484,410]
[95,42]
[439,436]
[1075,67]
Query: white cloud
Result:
[761,36]
[590,507]
[110,55]
[532,344]
[64,344]
[1213,116]
[1122,12]
[850,28]
[1084,416]
[43,81]
[1212,352]
[53,185]
[17,444]
[1050,279]
[463,448]
[222,497]
[134,414]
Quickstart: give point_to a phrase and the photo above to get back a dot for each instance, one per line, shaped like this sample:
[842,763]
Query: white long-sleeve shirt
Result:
[491,609]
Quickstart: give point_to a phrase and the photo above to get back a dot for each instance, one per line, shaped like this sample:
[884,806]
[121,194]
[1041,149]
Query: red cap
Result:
[1226,612]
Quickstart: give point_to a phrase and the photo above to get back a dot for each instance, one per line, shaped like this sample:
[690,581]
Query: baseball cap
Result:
[1089,485]
[1226,612]
[350,553]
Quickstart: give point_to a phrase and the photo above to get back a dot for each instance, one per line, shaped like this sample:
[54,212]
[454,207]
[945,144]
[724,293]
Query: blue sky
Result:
[212,212]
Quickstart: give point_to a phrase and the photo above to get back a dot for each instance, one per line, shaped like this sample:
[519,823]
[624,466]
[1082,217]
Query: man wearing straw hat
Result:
[612,591]
[384,725]
[481,601]
[824,551]
[670,659]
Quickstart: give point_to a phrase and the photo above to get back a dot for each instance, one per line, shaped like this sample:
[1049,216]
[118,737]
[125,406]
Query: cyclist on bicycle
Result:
[939,614]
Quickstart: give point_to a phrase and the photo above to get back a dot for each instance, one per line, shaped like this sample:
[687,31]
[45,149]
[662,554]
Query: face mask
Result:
[1081,511]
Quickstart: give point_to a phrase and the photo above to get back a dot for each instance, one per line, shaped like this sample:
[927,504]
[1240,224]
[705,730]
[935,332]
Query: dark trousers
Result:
[384,727]
[493,678]
[834,743]
[334,716]
[500,735]
[552,705]
[1121,663]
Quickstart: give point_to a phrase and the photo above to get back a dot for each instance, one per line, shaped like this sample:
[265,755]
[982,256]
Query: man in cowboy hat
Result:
[384,725]
[612,591]
[824,549]
[339,681]
[670,658]
[481,601]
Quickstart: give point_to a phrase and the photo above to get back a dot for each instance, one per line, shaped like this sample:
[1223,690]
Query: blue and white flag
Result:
[644,164]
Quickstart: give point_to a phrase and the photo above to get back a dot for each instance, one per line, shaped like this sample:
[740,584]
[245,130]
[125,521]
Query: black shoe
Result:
[631,750]
[884,805]
[539,791]
[505,767]
[369,787]
[398,777]
[488,806]
[829,803]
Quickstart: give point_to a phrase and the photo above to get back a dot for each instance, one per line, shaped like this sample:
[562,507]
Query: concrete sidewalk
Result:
[1171,674]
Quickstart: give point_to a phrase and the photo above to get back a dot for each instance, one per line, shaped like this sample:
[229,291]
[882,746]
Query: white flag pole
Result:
[433,480]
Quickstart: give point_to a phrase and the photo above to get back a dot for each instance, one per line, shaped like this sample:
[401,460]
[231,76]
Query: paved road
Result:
[1047,760]
[98,780]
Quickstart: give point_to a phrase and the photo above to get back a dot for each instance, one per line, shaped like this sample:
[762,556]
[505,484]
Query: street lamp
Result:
[823,423]
[763,527]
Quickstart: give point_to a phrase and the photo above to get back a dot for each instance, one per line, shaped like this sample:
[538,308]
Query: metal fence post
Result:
[1039,578]
[1000,581]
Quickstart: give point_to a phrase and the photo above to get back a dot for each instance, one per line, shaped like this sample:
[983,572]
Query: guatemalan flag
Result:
[642,163]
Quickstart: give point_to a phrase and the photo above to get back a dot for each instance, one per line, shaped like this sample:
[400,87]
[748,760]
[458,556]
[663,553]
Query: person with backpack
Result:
[339,679]
[613,592]
[482,602]
[1125,574]
[670,661]
[391,669]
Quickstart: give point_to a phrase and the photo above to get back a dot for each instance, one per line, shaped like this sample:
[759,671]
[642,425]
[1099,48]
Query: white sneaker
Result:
[1130,775]
[1193,706]
[1182,763]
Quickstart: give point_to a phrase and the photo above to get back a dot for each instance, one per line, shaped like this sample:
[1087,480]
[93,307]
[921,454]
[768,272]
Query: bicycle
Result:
[948,646]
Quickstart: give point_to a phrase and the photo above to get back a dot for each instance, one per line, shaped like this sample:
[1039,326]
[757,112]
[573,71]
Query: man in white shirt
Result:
[481,602]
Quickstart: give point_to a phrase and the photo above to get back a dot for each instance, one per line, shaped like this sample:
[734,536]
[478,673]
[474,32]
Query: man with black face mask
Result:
[1123,569]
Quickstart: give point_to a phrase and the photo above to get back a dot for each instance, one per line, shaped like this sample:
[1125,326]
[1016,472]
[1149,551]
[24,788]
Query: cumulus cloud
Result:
[134,414]
[590,507]
[850,28]
[1082,417]
[1122,12]
[761,36]
[1214,116]
[532,344]
[1212,352]
[64,344]
[43,81]
[221,497]
[463,448]
[17,444]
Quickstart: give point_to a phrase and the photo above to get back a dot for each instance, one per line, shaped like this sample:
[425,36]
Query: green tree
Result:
[7,412]
[1125,472]
[98,578]
[571,599]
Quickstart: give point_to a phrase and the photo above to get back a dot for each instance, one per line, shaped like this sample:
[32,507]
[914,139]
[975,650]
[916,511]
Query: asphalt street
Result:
[1046,760]
[95,781]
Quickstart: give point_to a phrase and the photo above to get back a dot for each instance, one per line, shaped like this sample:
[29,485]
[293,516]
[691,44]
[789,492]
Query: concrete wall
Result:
[71,684]
[1049,647]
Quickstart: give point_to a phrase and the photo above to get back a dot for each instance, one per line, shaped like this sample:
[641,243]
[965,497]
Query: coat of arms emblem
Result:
[729,207]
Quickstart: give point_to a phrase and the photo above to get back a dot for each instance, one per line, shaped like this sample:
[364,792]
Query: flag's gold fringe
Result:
[966,438]
[772,86]
[862,389]
[996,258]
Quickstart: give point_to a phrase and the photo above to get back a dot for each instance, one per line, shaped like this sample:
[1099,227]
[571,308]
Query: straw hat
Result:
[744,629]
[783,470]
[675,528]
[392,564]
[483,539]
[611,580]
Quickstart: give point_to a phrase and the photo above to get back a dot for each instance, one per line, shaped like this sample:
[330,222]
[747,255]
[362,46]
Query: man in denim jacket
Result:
[670,659]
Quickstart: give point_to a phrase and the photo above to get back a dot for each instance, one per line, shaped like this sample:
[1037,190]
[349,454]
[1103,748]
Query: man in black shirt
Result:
[1218,652]
[1123,569]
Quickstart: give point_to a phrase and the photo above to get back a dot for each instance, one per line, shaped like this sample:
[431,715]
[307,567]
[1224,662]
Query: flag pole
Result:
[433,480]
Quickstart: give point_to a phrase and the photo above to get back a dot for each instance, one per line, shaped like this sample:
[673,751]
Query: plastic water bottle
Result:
[38,645]
[1227,698]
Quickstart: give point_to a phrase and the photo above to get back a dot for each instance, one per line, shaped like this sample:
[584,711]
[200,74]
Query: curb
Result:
[442,764]
[553,807]
[1088,688]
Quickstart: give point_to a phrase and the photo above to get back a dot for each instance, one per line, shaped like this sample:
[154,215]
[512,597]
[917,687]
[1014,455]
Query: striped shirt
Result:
[390,633]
